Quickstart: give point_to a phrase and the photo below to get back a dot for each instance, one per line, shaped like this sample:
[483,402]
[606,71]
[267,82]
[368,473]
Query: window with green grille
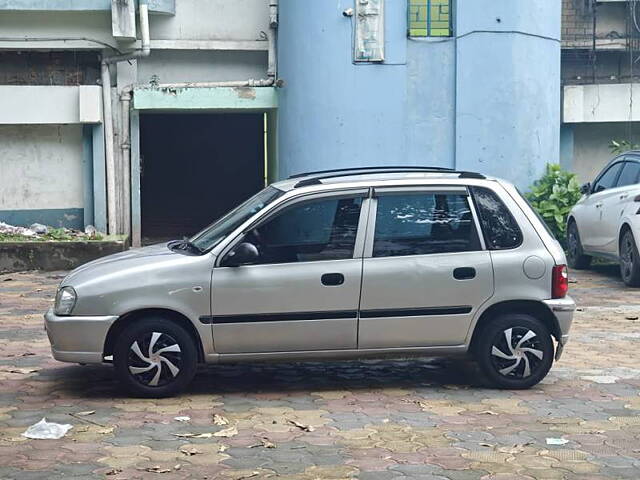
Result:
[430,18]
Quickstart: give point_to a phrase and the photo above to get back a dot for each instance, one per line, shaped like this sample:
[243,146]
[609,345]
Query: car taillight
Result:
[559,281]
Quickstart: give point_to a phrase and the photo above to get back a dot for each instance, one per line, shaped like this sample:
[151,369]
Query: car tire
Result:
[575,254]
[155,357]
[629,259]
[514,351]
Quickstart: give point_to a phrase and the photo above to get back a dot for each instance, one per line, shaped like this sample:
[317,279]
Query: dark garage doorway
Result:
[195,168]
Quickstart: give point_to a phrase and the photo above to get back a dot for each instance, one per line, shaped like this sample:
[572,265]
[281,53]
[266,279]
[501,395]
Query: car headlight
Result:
[65,301]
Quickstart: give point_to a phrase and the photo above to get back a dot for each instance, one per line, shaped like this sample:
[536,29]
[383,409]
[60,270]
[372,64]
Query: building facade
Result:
[142,118]
[600,94]
[153,117]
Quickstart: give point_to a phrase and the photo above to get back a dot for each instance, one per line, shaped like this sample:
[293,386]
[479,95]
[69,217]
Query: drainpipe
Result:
[143,11]
[272,38]
[266,82]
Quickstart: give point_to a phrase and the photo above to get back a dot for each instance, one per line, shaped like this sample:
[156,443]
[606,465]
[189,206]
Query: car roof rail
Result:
[348,172]
[409,168]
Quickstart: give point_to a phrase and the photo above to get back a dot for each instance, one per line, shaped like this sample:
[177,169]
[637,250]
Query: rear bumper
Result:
[563,309]
[77,339]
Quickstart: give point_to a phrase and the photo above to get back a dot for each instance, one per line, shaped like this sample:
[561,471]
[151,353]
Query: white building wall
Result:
[591,145]
[40,167]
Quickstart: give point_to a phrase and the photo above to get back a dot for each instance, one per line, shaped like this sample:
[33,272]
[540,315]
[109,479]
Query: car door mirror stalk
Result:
[243,254]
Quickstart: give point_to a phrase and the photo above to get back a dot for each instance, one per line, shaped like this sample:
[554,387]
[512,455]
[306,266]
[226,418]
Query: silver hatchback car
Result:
[357,263]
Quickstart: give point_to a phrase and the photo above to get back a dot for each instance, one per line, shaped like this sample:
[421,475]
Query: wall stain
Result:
[247,93]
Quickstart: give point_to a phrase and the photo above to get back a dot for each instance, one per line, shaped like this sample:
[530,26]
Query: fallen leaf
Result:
[177,466]
[227,432]
[85,413]
[193,435]
[302,426]
[190,451]
[512,450]
[114,471]
[263,443]
[220,420]
[489,412]
[156,469]
[631,317]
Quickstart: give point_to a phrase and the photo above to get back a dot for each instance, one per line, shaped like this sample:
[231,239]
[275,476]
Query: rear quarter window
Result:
[500,229]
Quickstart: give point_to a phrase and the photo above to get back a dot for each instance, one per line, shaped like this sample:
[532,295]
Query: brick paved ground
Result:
[365,420]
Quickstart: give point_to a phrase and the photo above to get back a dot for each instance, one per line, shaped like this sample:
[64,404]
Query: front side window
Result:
[221,228]
[321,229]
[608,178]
[630,174]
[500,229]
[421,223]
[430,18]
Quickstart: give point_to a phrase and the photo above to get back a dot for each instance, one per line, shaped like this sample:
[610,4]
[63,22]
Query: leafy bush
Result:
[553,196]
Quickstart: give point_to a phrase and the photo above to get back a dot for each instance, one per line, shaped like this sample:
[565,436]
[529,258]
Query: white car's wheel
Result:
[575,254]
[629,259]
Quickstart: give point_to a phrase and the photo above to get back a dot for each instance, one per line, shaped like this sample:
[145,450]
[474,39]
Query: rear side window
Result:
[420,223]
[500,229]
[629,174]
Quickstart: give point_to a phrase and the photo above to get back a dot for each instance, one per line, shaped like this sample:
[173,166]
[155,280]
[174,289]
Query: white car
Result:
[606,221]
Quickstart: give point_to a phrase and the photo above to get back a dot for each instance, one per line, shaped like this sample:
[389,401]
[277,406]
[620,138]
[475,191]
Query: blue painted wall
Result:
[486,101]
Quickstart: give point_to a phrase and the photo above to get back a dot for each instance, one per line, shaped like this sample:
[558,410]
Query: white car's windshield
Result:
[218,230]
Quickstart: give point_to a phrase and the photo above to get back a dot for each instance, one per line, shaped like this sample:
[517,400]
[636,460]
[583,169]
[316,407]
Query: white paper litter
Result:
[557,441]
[44,430]
[600,378]
[182,419]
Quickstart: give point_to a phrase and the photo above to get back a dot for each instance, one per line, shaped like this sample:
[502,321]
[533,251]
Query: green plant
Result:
[553,196]
[620,146]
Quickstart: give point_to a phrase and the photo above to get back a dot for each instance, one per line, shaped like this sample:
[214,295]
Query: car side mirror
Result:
[243,254]
[586,188]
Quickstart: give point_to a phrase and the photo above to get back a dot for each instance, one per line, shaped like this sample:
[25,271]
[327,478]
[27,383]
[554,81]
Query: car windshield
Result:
[218,230]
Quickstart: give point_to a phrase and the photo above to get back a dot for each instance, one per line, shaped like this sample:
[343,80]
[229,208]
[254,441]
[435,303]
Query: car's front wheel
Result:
[629,260]
[154,357]
[575,255]
[514,351]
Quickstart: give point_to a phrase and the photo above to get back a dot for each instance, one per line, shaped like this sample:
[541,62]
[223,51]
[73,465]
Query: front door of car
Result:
[615,203]
[302,292]
[596,230]
[425,272]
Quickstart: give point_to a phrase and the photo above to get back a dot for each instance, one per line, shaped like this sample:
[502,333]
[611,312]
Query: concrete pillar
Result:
[508,87]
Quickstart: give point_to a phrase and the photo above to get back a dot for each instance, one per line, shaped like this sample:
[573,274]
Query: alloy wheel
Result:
[155,359]
[573,244]
[516,352]
[626,256]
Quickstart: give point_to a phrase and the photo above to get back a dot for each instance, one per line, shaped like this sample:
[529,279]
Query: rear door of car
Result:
[425,271]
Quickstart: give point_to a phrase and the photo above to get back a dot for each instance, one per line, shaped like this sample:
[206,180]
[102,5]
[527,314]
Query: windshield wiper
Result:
[186,246]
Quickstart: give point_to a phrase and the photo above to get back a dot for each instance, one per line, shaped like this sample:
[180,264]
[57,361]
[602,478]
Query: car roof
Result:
[379,176]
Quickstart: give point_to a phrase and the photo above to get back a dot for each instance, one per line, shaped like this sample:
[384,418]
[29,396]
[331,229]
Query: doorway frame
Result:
[199,100]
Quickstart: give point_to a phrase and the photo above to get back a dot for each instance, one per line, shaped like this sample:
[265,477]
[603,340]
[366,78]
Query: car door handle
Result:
[464,273]
[623,196]
[332,279]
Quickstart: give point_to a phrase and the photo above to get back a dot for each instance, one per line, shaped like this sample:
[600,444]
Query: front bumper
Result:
[77,339]
[563,309]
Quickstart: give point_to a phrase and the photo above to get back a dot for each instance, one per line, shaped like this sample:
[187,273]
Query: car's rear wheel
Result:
[575,254]
[629,260]
[155,357]
[514,351]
